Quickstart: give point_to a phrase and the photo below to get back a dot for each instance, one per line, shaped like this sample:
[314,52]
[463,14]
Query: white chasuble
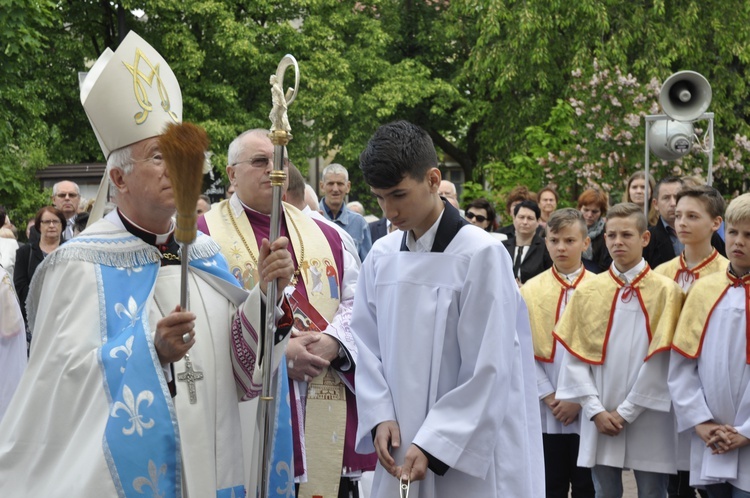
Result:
[445,350]
[64,434]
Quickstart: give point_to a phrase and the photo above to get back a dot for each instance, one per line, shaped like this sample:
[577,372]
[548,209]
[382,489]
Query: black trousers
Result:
[679,486]
[561,472]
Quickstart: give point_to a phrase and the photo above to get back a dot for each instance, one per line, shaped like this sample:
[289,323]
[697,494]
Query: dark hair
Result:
[483,203]
[519,193]
[395,151]
[82,220]
[528,205]
[594,196]
[709,196]
[2,216]
[664,181]
[53,210]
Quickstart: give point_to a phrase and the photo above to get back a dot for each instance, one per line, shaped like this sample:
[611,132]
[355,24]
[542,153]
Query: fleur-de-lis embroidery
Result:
[152,481]
[211,262]
[132,408]
[281,469]
[127,348]
[133,311]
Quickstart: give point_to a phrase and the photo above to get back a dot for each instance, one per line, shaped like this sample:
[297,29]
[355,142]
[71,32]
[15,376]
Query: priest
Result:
[126,394]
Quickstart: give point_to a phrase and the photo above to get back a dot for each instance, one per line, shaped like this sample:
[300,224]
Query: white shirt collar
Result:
[631,273]
[570,277]
[424,244]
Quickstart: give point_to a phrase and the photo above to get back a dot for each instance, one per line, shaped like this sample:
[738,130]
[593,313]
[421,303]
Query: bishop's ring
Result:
[186,337]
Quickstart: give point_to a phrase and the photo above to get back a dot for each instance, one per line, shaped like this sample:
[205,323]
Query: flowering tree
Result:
[595,138]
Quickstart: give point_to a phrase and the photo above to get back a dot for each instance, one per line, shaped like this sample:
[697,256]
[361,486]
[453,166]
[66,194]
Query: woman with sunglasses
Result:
[481,213]
[49,221]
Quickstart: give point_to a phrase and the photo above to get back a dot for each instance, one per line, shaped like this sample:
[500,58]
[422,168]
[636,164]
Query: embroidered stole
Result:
[324,413]
[699,306]
[546,296]
[584,329]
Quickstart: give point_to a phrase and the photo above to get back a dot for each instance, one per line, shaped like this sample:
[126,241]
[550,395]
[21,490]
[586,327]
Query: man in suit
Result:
[66,196]
[526,247]
[379,228]
[664,244]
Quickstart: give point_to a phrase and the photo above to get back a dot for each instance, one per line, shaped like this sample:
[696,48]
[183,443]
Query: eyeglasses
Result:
[259,162]
[51,222]
[479,217]
[63,196]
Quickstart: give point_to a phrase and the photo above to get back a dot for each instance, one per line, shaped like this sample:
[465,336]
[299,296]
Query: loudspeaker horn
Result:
[670,139]
[685,96]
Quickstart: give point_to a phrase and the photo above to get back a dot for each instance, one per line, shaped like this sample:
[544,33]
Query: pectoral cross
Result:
[190,376]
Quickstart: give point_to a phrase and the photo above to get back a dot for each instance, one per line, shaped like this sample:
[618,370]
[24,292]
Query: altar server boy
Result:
[697,217]
[618,328]
[546,296]
[709,374]
[446,390]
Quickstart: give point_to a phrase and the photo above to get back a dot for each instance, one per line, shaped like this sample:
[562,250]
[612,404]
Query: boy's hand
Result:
[387,435]
[415,465]
[712,434]
[607,423]
[722,438]
[565,411]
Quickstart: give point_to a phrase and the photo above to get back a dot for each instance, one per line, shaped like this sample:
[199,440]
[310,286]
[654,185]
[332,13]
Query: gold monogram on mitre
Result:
[141,94]
[130,94]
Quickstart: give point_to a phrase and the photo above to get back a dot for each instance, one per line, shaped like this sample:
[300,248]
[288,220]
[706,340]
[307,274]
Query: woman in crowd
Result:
[635,192]
[481,213]
[548,199]
[593,204]
[50,222]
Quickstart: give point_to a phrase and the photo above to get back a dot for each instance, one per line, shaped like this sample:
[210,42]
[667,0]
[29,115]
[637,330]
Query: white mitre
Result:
[130,95]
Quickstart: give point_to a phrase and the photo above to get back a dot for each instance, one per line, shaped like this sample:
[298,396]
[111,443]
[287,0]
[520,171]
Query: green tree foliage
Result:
[24,134]
[491,80]
[526,54]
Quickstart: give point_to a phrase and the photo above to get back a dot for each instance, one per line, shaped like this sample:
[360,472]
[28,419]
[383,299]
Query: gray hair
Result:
[121,159]
[236,148]
[57,185]
[335,169]
[357,207]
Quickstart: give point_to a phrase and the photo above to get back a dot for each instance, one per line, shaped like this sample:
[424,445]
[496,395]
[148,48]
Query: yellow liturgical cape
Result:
[677,269]
[699,306]
[545,295]
[585,326]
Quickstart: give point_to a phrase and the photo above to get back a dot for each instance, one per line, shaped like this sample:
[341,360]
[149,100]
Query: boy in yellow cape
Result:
[697,217]
[617,328]
[709,373]
[546,296]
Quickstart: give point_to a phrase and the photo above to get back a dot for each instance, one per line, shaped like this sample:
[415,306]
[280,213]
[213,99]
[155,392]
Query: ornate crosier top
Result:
[278,116]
